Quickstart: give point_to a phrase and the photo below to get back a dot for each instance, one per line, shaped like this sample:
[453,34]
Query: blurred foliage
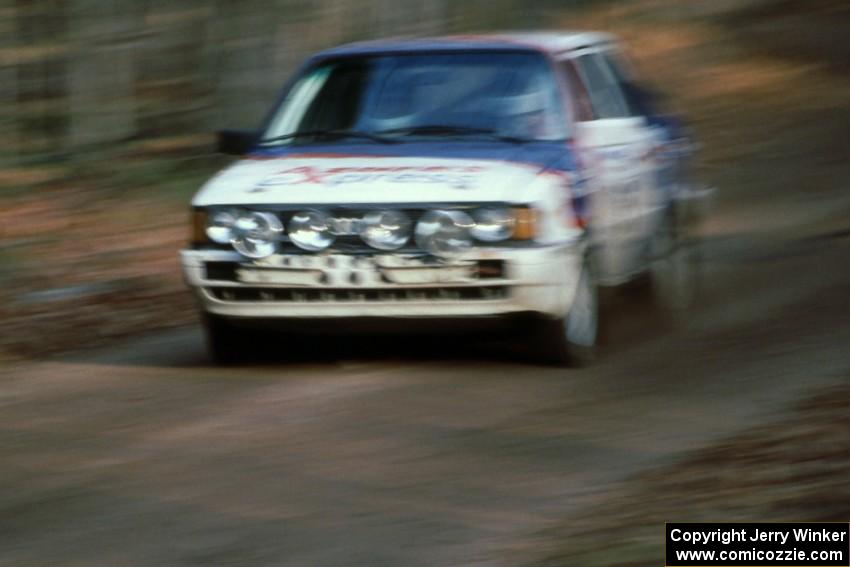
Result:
[78,75]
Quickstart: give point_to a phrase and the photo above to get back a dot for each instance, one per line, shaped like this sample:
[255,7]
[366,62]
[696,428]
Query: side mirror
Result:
[236,142]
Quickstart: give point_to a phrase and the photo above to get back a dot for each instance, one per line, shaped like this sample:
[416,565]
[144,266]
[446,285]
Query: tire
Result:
[571,340]
[226,345]
[674,272]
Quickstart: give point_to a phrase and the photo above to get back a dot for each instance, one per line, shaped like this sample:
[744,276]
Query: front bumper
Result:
[540,280]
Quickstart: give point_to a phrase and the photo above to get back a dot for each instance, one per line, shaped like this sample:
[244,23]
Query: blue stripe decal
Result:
[545,155]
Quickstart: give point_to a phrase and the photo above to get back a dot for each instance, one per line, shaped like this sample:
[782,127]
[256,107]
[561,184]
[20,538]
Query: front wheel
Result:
[571,340]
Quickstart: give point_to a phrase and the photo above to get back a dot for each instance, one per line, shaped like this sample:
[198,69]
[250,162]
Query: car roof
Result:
[547,42]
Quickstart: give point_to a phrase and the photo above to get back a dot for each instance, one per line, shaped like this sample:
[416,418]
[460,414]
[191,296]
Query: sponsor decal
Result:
[456,176]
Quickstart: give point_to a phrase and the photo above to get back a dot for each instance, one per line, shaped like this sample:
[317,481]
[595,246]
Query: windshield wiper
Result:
[329,134]
[451,130]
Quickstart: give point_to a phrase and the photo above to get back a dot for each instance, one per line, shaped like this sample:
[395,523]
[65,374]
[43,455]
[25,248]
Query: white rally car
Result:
[458,177]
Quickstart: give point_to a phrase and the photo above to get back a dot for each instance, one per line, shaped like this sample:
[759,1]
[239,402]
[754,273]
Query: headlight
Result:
[444,233]
[255,235]
[220,226]
[311,230]
[385,230]
[493,224]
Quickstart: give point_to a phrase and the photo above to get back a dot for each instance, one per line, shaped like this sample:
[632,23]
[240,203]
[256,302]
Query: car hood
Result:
[334,178]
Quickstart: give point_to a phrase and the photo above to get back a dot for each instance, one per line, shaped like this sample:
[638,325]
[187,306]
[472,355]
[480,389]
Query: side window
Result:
[578,92]
[606,97]
[631,92]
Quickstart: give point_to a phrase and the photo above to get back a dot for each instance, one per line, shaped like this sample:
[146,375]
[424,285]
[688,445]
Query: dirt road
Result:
[396,453]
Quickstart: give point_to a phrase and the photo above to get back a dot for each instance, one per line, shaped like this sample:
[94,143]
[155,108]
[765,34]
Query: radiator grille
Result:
[285,295]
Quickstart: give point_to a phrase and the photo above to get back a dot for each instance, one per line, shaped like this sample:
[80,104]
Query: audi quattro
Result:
[457,177]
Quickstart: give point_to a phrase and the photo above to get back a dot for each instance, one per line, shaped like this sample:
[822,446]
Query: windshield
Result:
[513,95]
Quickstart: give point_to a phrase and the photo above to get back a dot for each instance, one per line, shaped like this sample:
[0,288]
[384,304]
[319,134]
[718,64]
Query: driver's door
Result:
[613,144]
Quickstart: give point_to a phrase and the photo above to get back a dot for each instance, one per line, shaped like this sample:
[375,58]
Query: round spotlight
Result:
[444,233]
[256,235]
[493,224]
[220,225]
[385,230]
[311,230]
